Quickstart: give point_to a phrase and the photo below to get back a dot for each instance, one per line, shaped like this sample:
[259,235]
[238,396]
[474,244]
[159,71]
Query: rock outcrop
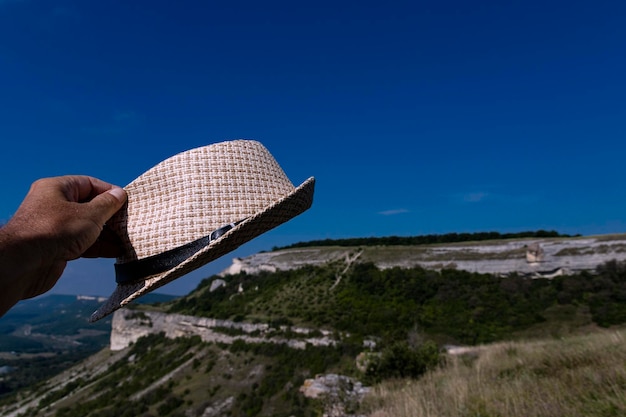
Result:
[340,394]
[129,325]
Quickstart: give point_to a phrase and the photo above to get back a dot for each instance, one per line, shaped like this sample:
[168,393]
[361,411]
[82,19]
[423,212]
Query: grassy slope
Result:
[576,376]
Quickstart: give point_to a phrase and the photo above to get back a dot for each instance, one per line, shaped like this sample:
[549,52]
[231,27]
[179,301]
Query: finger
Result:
[103,206]
[100,186]
[82,188]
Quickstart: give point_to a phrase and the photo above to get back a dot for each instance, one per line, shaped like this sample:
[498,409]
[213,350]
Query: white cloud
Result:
[393,212]
[118,123]
[475,197]
[121,116]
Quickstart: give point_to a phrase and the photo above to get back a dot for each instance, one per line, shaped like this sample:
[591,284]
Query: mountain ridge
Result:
[532,256]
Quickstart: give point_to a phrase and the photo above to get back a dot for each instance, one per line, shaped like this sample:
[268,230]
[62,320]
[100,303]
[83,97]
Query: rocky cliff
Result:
[533,257]
[129,325]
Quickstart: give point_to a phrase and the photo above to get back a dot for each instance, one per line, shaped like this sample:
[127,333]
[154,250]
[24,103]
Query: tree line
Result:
[426,239]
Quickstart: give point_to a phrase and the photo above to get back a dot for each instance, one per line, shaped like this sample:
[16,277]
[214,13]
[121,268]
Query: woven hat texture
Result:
[193,194]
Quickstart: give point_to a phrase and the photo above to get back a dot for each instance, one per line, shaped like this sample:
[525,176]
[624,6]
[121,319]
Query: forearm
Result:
[16,263]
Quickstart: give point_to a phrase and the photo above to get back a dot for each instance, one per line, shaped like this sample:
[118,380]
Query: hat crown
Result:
[193,193]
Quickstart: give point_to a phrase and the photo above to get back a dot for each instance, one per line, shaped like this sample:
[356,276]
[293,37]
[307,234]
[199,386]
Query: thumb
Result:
[105,205]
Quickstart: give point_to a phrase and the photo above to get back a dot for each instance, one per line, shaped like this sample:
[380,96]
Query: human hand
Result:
[60,219]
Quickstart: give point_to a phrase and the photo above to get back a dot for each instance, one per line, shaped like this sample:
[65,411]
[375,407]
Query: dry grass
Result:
[577,376]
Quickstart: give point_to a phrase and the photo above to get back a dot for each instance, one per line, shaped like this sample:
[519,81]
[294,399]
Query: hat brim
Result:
[274,215]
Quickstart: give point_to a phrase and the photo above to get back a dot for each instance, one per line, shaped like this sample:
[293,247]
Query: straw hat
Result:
[195,207]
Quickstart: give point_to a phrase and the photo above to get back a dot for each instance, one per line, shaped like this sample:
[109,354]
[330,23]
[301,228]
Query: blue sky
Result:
[415,117]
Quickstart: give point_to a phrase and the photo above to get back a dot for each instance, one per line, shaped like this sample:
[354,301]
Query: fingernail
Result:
[118,193]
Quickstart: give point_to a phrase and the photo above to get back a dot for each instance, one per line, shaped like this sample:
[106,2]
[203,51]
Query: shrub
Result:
[401,361]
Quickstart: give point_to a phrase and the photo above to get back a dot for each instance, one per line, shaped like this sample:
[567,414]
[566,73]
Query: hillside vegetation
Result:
[450,306]
[395,320]
[182,377]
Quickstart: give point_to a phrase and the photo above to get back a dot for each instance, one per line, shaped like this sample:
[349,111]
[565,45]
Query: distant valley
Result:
[43,336]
